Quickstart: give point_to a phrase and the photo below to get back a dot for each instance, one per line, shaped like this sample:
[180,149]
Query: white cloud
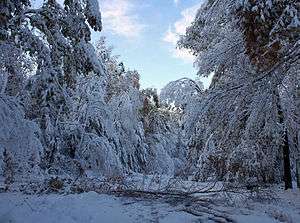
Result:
[179,28]
[119,17]
[170,36]
[187,17]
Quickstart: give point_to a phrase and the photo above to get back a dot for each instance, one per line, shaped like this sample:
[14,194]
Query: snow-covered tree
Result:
[126,103]
[271,30]
[241,123]
[8,169]
[64,54]
[180,93]
[19,142]
[55,39]
[162,126]
[90,136]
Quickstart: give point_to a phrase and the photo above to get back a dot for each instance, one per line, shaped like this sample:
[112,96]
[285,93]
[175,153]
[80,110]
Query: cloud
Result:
[170,36]
[187,17]
[179,28]
[119,17]
[183,54]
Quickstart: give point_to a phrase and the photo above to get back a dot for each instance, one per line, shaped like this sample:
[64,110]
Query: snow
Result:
[73,118]
[18,138]
[88,207]
[93,207]
[177,94]
[256,219]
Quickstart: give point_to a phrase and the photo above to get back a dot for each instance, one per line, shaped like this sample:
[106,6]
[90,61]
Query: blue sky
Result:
[144,34]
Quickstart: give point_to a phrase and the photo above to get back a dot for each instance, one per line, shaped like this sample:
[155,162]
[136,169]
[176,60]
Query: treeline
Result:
[69,108]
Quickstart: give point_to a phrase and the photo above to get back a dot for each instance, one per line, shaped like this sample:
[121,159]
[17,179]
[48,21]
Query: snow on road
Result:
[87,207]
[100,208]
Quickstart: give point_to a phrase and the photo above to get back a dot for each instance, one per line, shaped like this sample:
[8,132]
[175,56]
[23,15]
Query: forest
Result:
[76,126]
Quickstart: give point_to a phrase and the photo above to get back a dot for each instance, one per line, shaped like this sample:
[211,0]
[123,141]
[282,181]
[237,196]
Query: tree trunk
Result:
[287,176]
[286,163]
[298,172]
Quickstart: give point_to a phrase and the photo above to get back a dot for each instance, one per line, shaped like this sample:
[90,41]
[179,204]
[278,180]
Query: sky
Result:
[144,34]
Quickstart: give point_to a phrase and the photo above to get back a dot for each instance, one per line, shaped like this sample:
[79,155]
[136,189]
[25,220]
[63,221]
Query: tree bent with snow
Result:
[243,124]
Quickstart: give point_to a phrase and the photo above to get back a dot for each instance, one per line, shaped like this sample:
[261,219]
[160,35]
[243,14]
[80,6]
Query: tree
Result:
[163,133]
[180,93]
[8,170]
[237,130]
[60,44]
[271,30]
[18,142]
[125,104]
[124,101]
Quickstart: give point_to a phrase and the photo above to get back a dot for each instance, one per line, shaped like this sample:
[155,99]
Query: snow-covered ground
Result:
[92,207]
[87,207]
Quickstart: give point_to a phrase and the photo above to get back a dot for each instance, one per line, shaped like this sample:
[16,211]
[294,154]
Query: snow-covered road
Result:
[87,207]
[99,208]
